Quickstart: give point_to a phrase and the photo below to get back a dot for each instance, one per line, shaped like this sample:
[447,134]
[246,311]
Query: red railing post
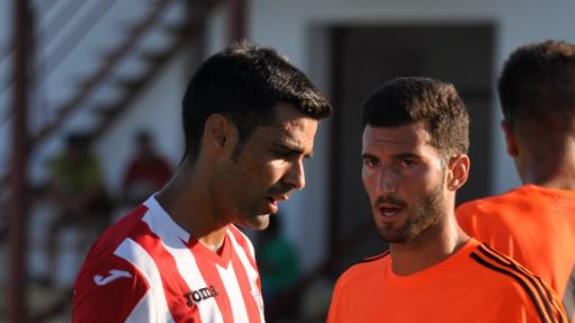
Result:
[17,299]
[238,14]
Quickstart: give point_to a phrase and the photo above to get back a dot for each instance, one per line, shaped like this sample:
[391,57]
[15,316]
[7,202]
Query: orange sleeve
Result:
[550,308]
[530,299]
[557,308]
[337,312]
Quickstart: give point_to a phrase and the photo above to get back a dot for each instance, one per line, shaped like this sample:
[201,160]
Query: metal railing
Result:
[79,29]
[67,42]
[43,37]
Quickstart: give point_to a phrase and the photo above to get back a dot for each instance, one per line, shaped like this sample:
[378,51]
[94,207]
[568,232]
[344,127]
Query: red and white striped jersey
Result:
[146,268]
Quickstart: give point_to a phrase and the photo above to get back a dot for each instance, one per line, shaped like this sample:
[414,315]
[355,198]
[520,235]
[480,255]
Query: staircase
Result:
[72,92]
[92,59]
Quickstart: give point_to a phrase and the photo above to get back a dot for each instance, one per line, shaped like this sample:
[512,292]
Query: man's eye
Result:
[407,163]
[369,162]
[282,154]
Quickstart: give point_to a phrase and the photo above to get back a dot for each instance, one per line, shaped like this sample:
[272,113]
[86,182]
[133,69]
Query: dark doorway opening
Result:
[367,56]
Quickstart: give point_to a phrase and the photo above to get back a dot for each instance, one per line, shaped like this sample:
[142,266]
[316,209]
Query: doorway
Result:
[364,57]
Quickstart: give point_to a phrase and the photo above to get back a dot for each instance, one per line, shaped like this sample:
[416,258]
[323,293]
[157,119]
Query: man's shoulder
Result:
[508,205]
[490,201]
[108,286]
[114,235]
[502,275]
[513,207]
[364,269]
[103,265]
[521,197]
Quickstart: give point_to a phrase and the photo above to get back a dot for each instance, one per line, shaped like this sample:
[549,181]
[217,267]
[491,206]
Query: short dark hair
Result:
[407,100]
[245,83]
[538,83]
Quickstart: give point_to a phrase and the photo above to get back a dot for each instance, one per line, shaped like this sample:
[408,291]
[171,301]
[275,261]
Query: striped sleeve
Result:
[546,304]
[112,290]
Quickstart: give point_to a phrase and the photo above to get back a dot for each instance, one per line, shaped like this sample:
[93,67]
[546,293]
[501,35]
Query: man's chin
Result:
[389,238]
[257,222]
[391,235]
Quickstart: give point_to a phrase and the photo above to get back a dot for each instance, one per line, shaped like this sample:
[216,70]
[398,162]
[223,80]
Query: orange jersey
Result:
[533,225]
[475,284]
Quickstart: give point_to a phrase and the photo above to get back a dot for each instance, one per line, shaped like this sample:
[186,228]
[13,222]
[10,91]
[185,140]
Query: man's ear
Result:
[510,139]
[458,168]
[219,132]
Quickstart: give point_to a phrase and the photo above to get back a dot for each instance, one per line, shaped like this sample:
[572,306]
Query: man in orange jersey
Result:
[249,120]
[535,223]
[415,142]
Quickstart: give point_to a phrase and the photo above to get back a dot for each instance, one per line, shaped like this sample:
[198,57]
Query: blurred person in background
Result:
[414,153]
[78,194]
[249,120]
[535,223]
[278,262]
[147,171]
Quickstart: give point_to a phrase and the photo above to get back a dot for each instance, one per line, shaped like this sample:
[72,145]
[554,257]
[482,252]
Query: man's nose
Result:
[386,181]
[295,177]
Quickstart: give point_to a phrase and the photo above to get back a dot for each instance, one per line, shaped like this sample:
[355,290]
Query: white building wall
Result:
[524,22]
[288,24]
[158,110]
[292,26]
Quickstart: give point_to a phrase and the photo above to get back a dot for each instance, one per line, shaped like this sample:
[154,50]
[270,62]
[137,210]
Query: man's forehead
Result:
[409,135]
[290,135]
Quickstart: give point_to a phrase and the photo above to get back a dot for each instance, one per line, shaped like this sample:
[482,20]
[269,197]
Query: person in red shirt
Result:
[414,153]
[535,223]
[147,172]
[249,120]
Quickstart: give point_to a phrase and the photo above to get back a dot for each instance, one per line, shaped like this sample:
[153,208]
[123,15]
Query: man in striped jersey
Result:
[249,120]
[415,143]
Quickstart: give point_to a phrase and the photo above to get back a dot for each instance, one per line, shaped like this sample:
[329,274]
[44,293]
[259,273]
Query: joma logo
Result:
[199,295]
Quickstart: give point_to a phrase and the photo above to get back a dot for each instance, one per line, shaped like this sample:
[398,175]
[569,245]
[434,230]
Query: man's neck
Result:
[559,183]
[548,160]
[186,200]
[430,248]
[557,172]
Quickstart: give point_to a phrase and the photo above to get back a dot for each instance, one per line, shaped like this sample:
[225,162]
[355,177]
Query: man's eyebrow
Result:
[292,150]
[397,156]
[368,155]
[407,155]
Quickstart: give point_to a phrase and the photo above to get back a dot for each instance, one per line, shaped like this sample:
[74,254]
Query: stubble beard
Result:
[426,214]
